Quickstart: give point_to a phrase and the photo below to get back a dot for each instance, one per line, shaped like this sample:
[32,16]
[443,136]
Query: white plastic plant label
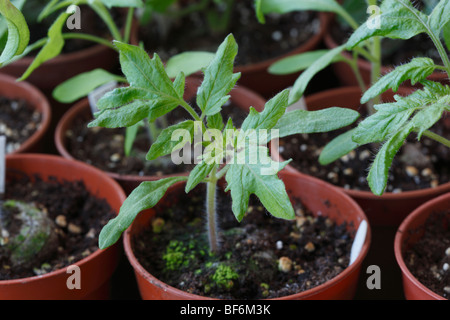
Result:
[98,93]
[2,164]
[358,242]
[299,105]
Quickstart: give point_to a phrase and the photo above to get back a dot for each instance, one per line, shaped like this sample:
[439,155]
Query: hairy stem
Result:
[88,37]
[437,138]
[211,189]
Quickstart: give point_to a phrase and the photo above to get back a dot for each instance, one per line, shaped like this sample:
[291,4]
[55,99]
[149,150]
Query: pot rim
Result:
[38,102]
[400,235]
[301,295]
[80,165]
[82,105]
[412,194]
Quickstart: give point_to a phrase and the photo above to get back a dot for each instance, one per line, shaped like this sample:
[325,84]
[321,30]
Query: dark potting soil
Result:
[418,165]
[78,216]
[429,258]
[257,42]
[261,257]
[18,122]
[104,148]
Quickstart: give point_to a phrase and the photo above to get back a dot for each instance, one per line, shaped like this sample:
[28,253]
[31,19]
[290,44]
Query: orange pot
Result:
[240,96]
[97,268]
[12,89]
[63,67]
[318,196]
[407,235]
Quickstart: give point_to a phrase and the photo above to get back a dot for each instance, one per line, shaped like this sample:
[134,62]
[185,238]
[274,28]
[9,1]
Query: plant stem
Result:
[353,63]
[104,14]
[211,189]
[129,23]
[88,37]
[437,138]
[191,111]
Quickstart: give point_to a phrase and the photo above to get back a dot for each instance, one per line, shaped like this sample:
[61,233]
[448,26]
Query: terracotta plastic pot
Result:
[12,89]
[407,235]
[391,208]
[346,75]
[240,96]
[97,268]
[63,67]
[318,196]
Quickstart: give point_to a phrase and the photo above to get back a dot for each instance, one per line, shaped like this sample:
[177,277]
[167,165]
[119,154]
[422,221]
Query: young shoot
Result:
[416,113]
[241,156]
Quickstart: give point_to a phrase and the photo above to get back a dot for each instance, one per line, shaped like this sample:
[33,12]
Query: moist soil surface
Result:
[257,42]
[78,218]
[418,165]
[261,257]
[104,148]
[429,258]
[18,122]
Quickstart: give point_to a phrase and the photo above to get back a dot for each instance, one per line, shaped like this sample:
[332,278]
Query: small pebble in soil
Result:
[411,171]
[285,264]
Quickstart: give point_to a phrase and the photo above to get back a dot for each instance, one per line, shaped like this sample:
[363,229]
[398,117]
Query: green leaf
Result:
[398,20]
[302,121]
[416,71]
[218,78]
[245,178]
[286,6]
[188,62]
[143,72]
[123,3]
[164,144]
[18,32]
[338,147]
[198,174]
[379,170]
[81,85]
[446,35]
[151,93]
[273,110]
[179,84]
[429,115]
[258,11]
[53,46]
[158,5]
[130,136]
[321,63]
[215,121]
[145,196]
[383,123]
[296,63]
[440,16]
